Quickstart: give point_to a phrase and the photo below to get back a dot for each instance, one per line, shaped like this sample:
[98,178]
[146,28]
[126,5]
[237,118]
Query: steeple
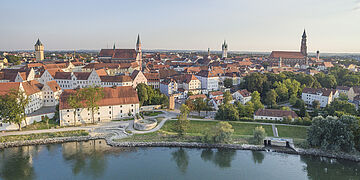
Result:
[38,43]
[303,48]
[224,49]
[138,52]
[138,39]
[138,44]
[114,46]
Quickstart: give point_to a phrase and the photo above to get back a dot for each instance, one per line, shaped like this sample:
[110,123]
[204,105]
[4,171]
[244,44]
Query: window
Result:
[109,112]
[67,111]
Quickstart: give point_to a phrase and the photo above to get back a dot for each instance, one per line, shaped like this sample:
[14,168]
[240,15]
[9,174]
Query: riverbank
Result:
[110,142]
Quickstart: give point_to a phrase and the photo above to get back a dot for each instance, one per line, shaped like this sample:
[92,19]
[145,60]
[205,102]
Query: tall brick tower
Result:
[303,48]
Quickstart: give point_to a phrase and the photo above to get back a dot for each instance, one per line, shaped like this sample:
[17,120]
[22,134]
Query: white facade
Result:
[73,82]
[104,114]
[324,100]
[239,97]
[168,88]
[209,83]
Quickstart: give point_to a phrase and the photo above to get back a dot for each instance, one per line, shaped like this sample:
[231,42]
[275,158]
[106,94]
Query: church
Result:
[122,55]
[292,58]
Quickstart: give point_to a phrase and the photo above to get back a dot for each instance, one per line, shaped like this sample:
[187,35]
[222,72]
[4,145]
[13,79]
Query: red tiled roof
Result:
[216,93]
[7,86]
[118,53]
[275,113]
[203,96]
[244,93]
[286,55]
[115,78]
[112,96]
[54,86]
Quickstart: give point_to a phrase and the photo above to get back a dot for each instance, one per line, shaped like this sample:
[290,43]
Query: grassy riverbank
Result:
[243,132]
[13,138]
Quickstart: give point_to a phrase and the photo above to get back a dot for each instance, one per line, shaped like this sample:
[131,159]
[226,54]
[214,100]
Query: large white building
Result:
[72,80]
[209,80]
[323,95]
[274,114]
[118,103]
[243,96]
[168,87]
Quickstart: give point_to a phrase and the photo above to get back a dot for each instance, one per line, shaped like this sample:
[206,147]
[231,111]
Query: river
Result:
[96,160]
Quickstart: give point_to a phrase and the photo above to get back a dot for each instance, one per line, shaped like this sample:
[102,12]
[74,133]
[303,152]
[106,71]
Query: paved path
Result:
[166,114]
[275,131]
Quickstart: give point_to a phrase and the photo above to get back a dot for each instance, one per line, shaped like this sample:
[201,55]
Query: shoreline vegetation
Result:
[167,137]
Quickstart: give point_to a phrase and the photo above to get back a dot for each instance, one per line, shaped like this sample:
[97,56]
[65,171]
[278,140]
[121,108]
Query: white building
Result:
[209,80]
[110,81]
[72,80]
[168,87]
[118,103]
[274,114]
[243,96]
[323,95]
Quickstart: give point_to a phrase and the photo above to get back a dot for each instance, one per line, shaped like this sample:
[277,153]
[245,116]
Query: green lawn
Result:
[292,131]
[43,136]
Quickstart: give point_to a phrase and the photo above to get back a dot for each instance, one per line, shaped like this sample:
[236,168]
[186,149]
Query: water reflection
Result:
[16,163]
[90,157]
[257,156]
[181,158]
[323,168]
[221,158]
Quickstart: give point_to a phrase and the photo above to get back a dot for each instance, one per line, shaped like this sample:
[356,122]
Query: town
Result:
[280,98]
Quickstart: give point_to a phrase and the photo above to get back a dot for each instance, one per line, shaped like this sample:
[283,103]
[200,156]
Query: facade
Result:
[243,96]
[168,87]
[274,114]
[137,78]
[118,103]
[110,81]
[188,83]
[323,95]
[72,80]
[17,75]
[153,80]
[39,50]
[209,80]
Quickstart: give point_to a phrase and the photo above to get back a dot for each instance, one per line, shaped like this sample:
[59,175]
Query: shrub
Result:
[259,134]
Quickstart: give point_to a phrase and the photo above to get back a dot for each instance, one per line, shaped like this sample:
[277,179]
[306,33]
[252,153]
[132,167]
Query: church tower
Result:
[303,48]
[39,51]
[138,52]
[224,48]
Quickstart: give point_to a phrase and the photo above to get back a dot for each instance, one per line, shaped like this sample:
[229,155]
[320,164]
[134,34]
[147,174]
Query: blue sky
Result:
[256,25]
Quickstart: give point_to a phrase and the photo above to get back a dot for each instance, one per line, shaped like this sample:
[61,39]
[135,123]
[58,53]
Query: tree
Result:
[316,104]
[227,97]
[12,107]
[271,97]
[255,99]
[282,91]
[199,105]
[292,85]
[182,123]
[343,97]
[227,112]
[338,107]
[221,133]
[92,95]
[259,134]
[255,82]
[207,106]
[142,93]
[293,99]
[74,101]
[228,83]
[332,133]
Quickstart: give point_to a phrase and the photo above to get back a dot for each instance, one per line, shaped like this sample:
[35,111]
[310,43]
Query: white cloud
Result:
[357,5]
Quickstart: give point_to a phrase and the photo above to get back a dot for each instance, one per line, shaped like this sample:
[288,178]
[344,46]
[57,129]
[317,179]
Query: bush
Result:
[259,134]
[221,133]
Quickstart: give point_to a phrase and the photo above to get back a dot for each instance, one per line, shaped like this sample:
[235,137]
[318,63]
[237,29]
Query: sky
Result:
[247,25]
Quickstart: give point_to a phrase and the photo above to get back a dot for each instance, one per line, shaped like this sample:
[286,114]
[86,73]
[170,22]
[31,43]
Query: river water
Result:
[96,160]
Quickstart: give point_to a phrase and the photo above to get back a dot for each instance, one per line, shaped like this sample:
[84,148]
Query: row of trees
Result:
[198,105]
[86,97]
[149,96]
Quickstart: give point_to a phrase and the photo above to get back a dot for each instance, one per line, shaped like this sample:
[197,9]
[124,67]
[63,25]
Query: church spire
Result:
[138,40]
[114,46]
[303,48]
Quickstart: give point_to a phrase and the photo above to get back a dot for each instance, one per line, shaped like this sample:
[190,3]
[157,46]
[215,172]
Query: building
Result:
[122,55]
[243,96]
[110,81]
[168,87]
[153,80]
[118,103]
[224,48]
[274,114]
[39,50]
[188,83]
[323,95]
[17,75]
[209,80]
[348,91]
[292,58]
[137,78]
[72,80]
